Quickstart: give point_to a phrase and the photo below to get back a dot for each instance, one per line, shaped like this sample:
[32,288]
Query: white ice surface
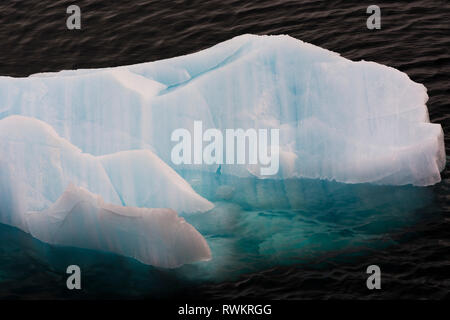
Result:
[338,119]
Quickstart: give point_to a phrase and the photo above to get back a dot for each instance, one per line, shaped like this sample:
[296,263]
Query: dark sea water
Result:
[404,230]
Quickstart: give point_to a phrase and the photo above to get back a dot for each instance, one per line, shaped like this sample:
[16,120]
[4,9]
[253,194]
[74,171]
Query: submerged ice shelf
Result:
[107,132]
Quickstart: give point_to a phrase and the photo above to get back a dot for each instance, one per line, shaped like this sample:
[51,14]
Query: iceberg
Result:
[353,122]
[99,209]
[85,155]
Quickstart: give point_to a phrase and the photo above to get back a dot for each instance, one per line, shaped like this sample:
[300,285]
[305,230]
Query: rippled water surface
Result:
[312,239]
